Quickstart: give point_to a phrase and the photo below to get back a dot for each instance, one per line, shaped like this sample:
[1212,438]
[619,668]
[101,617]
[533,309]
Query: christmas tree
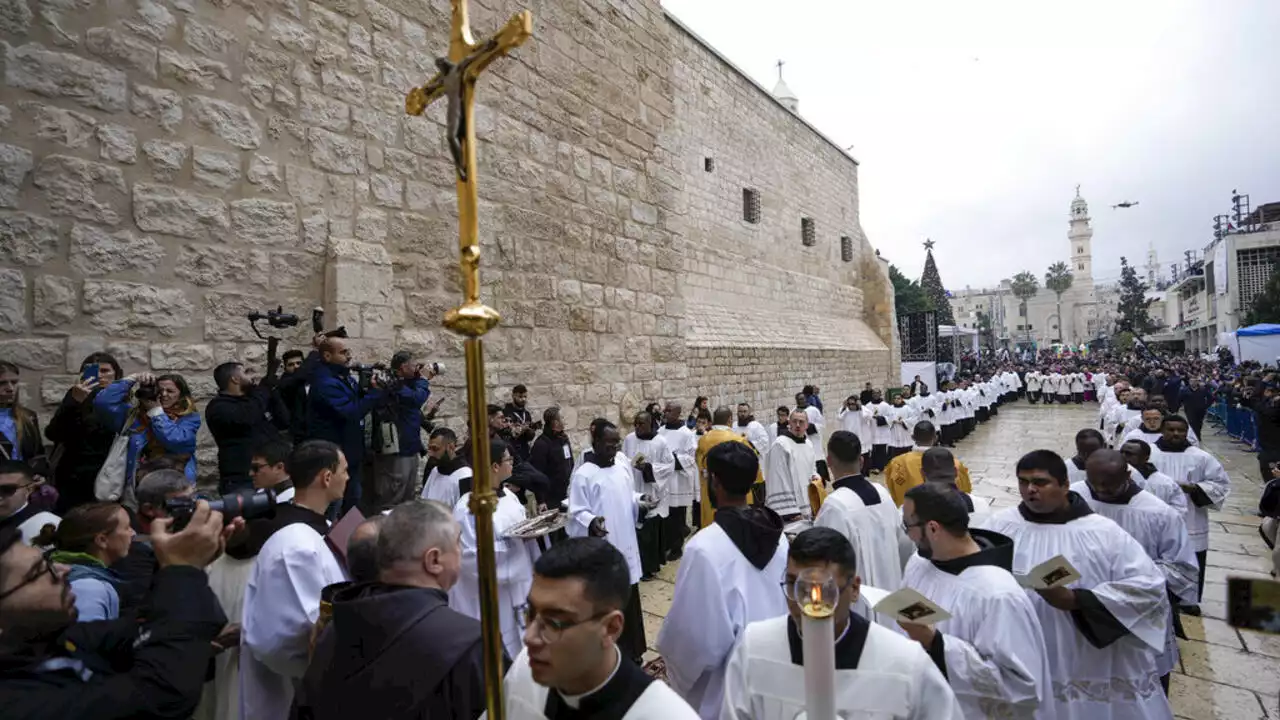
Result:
[1134,303]
[931,283]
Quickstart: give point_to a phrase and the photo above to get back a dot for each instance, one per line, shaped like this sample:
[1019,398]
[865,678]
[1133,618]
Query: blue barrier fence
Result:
[1237,423]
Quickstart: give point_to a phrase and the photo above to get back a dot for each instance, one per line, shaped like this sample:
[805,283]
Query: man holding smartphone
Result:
[520,420]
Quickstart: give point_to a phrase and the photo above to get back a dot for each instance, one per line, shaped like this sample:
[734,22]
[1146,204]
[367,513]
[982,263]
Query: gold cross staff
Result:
[455,79]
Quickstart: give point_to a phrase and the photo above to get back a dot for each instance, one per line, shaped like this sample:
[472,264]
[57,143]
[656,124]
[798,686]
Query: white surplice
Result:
[997,669]
[607,492]
[879,433]
[1194,466]
[718,592]
[875,531]
[1077,474]
[854,422]
[281,604]
[895,679]
[443,487]
[655,452]
[1162,532]
[818,422]
[683,443]
[1119,681]
[1163,487]
[755,434]
[789,467]
[514,567]
[901,420]
[525,699]
[220,700]
[1151,436]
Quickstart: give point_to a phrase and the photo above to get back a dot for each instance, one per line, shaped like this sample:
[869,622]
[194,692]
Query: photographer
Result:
[395,475]
[242,416]
[292,390]
[337,407]
[164,421]
[52,667]
[81,439]
[138,567]
[521,423]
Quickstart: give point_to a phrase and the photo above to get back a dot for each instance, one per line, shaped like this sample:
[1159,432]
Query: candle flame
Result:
[815,595]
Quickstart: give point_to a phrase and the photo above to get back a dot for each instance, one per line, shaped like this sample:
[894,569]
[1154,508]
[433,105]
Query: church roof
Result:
[782,91]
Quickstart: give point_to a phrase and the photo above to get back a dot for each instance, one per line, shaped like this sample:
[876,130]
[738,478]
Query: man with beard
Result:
[684,486]
[520,422]
[53,667]
[451,476]
[653,468]
[1102,633]
[791,466]
[1138,454]
[747,427]
[997,669]
[1157,527]
[728,578]
[603,503]
[719,433]
[1201,477]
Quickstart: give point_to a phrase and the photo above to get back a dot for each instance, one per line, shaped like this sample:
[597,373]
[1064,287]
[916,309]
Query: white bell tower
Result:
[1080,235]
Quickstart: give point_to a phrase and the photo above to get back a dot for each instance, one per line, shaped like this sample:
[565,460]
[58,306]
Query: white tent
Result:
[1260,343]
[964,338]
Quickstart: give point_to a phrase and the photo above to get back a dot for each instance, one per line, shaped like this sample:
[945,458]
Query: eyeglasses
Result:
[907,526]
[255,467]
[789,588]
[37,571]
[550,629]
[8,491]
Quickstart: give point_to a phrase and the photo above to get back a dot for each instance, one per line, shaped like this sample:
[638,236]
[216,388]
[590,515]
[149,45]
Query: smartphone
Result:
[90,373]
[1254,604]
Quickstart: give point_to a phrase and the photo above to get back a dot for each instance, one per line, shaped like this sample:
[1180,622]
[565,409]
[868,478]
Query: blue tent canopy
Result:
[1260,329]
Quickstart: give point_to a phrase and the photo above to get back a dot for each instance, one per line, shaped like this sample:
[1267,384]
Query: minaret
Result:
[784,95]
[1153,266]
[1080,235]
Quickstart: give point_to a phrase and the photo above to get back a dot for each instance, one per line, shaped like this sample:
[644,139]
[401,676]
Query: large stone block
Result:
[65,127]
[35,353]
[15,163]
[131,354]
[97,252]
[233,123]
[265,173]
[167,210]
[52,74]
[163,106]
[54,387]
[318,109]
[346,249]
[193,70]
[15,17]
[265,222]
[291,35]
[215,169]
[207,39]
[216,265]
[152,20]
[335,153]
[55,301]
[181,356]
[166,158]
[296,270]
[134,310]
[27,239]
[358,283]
[82,189]
[117,143]
[13,301]
[81,346]
[224,317]
[122,50]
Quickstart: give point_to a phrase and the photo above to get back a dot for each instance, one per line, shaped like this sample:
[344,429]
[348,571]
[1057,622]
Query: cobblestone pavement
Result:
[1226,674]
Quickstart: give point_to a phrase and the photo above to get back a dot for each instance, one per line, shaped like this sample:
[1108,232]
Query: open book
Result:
[908,606]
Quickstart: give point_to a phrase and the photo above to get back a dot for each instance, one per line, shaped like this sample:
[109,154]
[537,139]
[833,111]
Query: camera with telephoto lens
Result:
[249,506]
[368,374]
[148,392]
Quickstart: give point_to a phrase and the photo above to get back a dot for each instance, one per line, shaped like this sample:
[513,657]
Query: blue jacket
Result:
[410,397]
[177,437]
[336,411]
[96,594]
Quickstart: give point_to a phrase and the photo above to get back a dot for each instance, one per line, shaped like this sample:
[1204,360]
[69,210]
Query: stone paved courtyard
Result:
[1226,674]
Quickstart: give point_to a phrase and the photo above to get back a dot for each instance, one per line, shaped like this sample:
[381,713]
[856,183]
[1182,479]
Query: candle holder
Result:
[816,592]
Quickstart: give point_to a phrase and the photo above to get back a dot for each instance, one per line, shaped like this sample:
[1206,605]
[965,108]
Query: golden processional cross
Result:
[455,80]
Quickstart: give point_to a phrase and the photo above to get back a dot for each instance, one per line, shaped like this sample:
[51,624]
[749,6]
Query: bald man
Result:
[362,550]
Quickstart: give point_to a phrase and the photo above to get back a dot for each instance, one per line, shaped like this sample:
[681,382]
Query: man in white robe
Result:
[878,413]
[1034,383]
[879,673]
[997,669]
[1157,527]
[603,503]
[282,597]
[1149,427]
[1077,388]
[515,568]
[852,420]
[1089,441]
[754,432]
[816,421]
[728,578]
[653,469]
[1138,453]
[1102,633]
[1064,388]
[683,492]
[792,463]
[864,512]
[901,419]
[451,472]
[783,416]
[574,663]
[1201,477]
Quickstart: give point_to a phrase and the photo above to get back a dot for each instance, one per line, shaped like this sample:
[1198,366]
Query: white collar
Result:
[574,700]
[722,427]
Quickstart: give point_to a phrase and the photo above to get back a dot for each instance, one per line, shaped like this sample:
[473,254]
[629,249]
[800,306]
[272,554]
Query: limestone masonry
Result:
[167,166]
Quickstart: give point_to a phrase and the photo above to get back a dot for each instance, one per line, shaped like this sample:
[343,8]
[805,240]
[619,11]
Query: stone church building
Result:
[655,224]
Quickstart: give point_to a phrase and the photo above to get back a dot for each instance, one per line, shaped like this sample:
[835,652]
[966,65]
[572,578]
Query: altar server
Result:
[728,578]
[684,485]
[1160,530]
[1138,454]
[1148,428]
[515,569]
[901,419]
[451,476]
[1104,631]
[879,673]
[1089,441]
[865,513]
[997,669]
[603,503]
[575,664]
[791,465]
[653,470]
[1034,383]
[852,419]
[877,413]
[1201,477]
[754,432]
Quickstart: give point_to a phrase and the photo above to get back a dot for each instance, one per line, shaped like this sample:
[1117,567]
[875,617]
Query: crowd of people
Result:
[117,579]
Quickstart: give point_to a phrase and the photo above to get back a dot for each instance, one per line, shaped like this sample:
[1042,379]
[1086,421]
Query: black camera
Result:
[367,373]
[148,392]
[277,318]
[248,505]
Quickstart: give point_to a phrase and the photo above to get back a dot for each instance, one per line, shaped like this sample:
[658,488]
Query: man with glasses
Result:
[572,665]
[515,569]
[52,667]
[17,481]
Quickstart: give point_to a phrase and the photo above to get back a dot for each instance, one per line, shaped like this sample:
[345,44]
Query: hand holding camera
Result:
[197,545]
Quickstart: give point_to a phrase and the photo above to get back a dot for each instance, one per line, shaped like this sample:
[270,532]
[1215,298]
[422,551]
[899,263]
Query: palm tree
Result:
[1058,279]
[1025,286]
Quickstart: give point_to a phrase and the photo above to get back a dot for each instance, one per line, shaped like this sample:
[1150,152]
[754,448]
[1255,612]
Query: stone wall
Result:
[166,166]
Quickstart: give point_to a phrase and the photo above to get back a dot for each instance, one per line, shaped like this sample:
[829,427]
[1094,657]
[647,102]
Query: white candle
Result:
[819,667]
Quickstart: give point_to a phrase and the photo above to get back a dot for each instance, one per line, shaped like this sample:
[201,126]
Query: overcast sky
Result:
[973,121]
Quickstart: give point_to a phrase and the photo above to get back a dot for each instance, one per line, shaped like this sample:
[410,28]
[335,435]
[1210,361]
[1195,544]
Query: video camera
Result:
[368,373]
[277,318]
[249,506]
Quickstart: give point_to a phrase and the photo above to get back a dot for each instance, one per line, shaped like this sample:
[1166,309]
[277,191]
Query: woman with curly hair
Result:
[161,421]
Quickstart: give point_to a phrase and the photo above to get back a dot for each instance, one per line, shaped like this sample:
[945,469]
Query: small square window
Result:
[751,205]
[808,235]
[709,164]
[846,248]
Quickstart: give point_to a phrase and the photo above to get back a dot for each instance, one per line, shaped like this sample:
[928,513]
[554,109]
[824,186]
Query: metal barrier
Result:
[1239,424]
